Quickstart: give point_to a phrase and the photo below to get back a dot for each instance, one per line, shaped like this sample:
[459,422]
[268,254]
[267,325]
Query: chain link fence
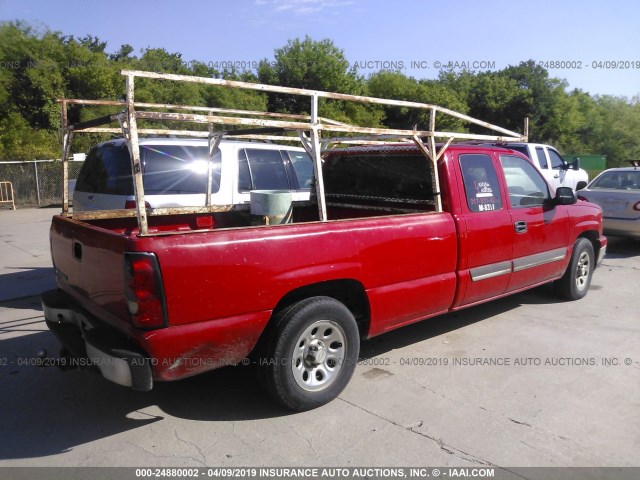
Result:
[37,182]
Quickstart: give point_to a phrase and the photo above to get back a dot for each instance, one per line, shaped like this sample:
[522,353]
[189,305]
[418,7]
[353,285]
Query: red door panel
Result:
[487,233]
[540,228]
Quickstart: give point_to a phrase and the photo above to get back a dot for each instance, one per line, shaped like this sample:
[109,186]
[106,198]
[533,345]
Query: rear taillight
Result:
[636,207]
[205,221]
[144,291]
[131,204]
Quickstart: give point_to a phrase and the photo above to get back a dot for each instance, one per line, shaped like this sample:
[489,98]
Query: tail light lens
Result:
[131,204]
[144,291]
[205,221]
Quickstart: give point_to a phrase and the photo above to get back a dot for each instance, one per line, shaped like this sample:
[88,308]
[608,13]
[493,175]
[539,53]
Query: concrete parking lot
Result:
[525,381]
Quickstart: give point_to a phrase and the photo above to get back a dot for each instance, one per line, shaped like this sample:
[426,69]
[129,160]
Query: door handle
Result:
[77,251]
[521,227]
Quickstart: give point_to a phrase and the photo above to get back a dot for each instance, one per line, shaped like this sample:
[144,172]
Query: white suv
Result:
[556,170]
[175,173]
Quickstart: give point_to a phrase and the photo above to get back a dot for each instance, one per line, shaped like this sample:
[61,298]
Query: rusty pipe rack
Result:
[307,129]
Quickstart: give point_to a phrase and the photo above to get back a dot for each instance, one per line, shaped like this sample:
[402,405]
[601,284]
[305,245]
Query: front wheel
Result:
[312,353]
[575,282]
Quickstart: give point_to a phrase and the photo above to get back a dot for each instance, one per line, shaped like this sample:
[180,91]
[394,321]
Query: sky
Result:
[593,45]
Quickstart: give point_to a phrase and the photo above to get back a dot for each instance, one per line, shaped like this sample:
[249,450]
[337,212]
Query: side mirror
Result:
[565,196]
[581,185]
[576,164]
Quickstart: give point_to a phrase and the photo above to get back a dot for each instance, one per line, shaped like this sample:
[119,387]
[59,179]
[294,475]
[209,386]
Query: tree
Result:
[545,125]
[35,79]
[123,53]
[309,64]
[40,66]
[160,91]
[92,43]
[491,97]
[20,141]
[615,133]
[233,98]
[395,85]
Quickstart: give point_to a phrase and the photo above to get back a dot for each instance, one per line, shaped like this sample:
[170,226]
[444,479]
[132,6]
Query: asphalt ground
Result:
[528,380]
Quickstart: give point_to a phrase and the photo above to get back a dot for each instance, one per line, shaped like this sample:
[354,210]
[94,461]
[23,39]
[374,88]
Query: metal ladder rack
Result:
[308,130]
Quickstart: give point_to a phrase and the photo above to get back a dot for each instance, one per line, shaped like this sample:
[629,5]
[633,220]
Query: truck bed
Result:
[221,285]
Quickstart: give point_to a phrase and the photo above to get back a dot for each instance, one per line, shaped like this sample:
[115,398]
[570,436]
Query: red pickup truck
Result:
[202,291]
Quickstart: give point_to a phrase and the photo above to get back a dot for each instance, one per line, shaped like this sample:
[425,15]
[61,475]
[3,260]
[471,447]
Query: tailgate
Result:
[89,265]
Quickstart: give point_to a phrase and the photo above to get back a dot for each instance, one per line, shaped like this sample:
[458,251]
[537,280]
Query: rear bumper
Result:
[622,227]
[94,346]
[164,354]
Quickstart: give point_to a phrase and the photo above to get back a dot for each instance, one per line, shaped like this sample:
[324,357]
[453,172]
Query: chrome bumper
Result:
[96,347]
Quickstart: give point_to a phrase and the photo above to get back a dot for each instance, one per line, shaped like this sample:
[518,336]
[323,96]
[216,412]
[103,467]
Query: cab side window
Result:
[542,158]
[480,183]
[262,170]
[302,166]
[244,175]
[557,162]
[525,184]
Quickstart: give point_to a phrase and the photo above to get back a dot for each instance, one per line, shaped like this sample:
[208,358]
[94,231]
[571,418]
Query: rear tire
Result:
[575,282]
[311,354]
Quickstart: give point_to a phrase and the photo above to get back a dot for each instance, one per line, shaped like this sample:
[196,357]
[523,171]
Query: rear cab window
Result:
[391,178]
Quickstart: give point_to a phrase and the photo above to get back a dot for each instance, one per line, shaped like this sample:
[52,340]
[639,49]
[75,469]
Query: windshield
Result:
[629,180]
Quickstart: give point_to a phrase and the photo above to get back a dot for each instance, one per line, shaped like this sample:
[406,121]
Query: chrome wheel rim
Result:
[318,355]
[582,271]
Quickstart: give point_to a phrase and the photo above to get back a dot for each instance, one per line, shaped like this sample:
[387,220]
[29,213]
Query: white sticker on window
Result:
[483,189]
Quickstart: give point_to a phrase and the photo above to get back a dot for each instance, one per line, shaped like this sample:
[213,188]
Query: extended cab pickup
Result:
[556,170]
[201,291]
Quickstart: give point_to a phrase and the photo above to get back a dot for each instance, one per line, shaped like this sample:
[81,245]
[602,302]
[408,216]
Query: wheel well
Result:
[349,292]
[593,238]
